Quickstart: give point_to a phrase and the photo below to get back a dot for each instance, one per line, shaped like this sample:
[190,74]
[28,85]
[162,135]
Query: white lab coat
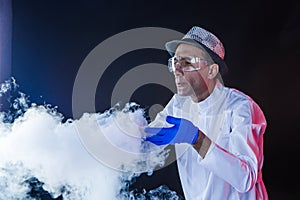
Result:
[232,167]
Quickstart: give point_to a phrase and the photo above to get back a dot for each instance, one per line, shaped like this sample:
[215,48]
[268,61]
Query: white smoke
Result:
[37,145]
[44,147]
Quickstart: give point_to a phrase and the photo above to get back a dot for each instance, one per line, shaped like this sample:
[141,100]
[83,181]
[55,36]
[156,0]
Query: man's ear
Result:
[213,70]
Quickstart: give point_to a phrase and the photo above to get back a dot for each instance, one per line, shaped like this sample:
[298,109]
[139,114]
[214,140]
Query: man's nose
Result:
[178,71]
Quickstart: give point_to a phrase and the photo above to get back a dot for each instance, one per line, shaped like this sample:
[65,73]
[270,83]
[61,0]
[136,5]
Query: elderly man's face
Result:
[192,83]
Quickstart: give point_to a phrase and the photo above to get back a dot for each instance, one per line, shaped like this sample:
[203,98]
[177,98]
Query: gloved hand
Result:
[183,131]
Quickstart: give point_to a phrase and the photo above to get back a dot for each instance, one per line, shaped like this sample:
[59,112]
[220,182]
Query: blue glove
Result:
[183,131]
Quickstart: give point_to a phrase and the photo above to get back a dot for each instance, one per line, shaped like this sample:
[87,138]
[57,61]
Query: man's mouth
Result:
[180,84]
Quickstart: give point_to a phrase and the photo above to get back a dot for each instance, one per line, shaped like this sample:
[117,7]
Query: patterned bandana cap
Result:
[204,40]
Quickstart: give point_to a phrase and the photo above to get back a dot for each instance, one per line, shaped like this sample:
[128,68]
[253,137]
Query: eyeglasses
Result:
[186,64]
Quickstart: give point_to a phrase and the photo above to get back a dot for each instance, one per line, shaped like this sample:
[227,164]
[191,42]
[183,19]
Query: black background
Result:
[50,39]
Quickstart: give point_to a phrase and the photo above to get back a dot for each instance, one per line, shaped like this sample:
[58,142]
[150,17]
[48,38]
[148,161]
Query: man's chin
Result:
[181,93]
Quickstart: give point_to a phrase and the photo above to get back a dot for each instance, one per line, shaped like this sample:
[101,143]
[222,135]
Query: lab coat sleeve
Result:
[240,162]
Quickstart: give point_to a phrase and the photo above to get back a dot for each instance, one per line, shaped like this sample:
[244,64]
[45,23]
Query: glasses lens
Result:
[185,64]
[170,64]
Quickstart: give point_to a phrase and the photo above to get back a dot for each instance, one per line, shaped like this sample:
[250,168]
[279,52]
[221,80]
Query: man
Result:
[217,131]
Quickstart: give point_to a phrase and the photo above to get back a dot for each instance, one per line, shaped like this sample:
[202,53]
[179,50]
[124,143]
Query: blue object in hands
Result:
[183,131]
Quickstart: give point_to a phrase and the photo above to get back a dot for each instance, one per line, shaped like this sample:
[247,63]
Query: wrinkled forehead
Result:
[190,50]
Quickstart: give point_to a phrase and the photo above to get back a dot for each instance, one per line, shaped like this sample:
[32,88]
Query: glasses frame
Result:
[190,62]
